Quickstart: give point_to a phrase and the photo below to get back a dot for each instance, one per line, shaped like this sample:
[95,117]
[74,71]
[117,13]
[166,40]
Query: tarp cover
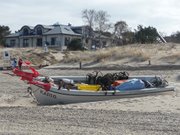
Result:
[132,84]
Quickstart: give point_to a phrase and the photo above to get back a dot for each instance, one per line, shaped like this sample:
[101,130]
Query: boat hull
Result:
[64,96]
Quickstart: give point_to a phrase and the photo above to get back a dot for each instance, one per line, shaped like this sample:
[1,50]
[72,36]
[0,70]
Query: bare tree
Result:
[102,25]
[88,17]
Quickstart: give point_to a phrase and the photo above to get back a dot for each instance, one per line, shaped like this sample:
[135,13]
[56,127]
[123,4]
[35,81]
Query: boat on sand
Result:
[82,88]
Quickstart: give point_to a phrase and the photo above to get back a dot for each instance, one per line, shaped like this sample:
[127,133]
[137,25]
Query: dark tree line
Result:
[175,37]
[4,31]
[146,34]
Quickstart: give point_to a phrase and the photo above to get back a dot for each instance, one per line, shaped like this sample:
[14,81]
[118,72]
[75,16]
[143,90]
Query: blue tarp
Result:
[132,84]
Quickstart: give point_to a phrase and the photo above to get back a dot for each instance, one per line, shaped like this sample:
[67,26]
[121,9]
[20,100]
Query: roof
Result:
[52,30]
[61,29]
[48,26]
[13,35]
[31,27]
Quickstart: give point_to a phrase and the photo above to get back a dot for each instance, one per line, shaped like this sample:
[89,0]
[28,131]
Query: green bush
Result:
[75,45]
[146,35]
[4,31]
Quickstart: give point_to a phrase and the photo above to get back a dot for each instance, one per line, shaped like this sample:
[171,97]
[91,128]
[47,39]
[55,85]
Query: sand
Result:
[159,114]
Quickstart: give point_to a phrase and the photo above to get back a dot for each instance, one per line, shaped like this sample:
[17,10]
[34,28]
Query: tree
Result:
[87,32]
[128,37]
[75,44]
[95,20]
[120,27]
[101,20]
[4,31]
[102,25]
[175,37]
[88,16]
[146,34]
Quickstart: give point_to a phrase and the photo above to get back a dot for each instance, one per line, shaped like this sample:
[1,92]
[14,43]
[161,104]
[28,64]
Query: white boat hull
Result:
[64,96]
[46,90]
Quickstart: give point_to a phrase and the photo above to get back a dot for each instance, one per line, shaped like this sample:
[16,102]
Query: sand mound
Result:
[36,56]
[132,55]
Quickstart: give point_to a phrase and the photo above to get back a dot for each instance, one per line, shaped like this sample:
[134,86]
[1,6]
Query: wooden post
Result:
[149,62]
[80,65]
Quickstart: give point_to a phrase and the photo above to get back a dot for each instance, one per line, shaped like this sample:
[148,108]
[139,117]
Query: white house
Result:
[54,36]
[51,35]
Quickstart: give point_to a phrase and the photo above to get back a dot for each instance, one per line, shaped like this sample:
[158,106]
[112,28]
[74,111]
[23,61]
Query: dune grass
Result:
[110,54]
[136,53]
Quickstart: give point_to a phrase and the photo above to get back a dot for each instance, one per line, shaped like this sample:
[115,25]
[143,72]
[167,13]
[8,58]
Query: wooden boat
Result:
[51,93]
[65,96]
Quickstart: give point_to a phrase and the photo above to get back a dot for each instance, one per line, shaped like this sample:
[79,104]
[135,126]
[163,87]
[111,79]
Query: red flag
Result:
[45,86]
[26,75]
[35,72]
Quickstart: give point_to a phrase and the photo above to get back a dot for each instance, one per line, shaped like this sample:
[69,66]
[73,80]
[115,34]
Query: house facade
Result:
[38,36]
[57,35]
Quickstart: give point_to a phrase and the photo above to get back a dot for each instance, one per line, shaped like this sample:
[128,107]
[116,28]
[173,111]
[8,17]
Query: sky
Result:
[164,15]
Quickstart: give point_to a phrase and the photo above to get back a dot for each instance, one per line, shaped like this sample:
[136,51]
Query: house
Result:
[52,35]
[92,39]
[56,35]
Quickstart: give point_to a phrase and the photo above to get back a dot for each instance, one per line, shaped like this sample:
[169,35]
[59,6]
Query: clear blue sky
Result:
[163,15]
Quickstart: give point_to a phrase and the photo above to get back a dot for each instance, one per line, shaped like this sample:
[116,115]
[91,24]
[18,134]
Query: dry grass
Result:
[35,55]
[114,54]
[171,58]
[137,53]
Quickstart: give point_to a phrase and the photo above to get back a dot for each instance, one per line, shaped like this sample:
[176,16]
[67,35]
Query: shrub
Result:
[75,45]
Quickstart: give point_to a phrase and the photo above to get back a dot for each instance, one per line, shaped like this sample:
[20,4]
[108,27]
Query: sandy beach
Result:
[159,114]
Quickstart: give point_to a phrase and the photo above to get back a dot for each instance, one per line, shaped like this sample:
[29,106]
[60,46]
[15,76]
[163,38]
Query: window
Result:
[12,42]
[67,40]
[25,42]
[6,54]
[39,31]
[39,42]
[25,32]
[53,41]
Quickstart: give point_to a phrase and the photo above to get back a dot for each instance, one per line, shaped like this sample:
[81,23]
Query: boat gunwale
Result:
[73,92]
